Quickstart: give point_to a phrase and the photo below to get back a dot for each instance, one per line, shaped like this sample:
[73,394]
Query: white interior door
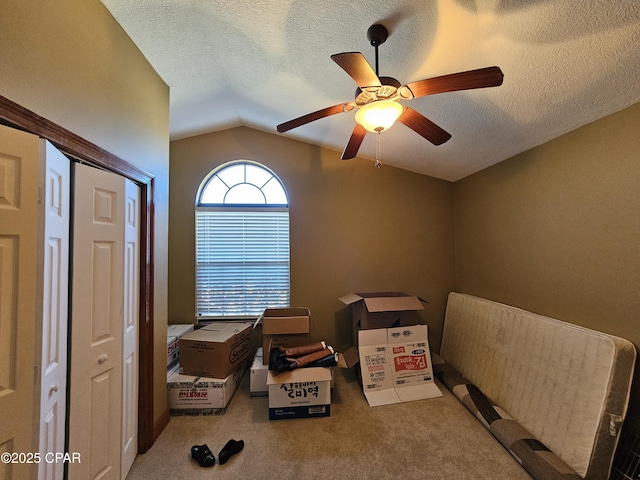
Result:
[95,405]
[130,328]
[18,296]
[55,198]
[35,198]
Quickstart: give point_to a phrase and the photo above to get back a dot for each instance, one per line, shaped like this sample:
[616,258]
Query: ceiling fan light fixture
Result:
[377,99]
[379,116]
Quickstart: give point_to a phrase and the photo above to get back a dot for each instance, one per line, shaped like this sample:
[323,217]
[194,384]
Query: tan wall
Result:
[353,227]
[71,63]
[556,230]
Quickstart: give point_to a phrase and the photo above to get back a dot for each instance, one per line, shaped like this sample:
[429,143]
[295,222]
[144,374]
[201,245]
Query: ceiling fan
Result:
[377,99]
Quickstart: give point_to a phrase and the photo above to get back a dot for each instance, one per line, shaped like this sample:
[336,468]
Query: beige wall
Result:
[71,63]
[556,230]
[353,227]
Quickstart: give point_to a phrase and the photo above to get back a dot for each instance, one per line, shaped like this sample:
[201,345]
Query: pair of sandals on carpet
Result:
[313,355]
[202,454]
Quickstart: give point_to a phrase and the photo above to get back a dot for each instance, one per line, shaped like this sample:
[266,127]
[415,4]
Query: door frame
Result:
[16,116]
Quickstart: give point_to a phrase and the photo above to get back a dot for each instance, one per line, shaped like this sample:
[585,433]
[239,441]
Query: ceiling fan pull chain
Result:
[378,163]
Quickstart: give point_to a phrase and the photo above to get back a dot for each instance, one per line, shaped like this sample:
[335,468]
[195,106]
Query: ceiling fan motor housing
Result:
[377,34]
[388,91]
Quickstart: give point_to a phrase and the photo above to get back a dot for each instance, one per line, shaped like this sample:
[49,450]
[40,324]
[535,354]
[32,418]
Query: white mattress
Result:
[567,385]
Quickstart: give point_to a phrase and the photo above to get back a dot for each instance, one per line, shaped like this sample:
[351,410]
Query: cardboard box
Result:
[284,327]
[382,310]
[172,370]
[174,332]
[173,351]
[215,351]
[258,384]
[300,393]
[192,395]
[396,365]
[258,381]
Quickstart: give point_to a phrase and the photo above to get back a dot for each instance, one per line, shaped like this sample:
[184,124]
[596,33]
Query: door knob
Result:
[102,358]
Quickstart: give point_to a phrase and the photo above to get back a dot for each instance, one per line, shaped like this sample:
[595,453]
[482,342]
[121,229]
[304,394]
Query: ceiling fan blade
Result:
[358,68]
[423,126]
[351,150]
[310,117]
[481,78]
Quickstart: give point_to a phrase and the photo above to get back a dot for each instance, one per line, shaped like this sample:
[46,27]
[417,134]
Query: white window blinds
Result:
[242,260]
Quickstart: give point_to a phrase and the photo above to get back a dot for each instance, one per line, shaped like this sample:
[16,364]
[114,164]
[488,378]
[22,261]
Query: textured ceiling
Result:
[262,62]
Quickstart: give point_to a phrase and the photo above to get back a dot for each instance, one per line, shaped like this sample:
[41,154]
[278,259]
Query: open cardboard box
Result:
[396,365]
[382,310]
[378,310]
[284,327]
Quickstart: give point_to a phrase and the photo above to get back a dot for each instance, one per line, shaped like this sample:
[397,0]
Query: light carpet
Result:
[429,439]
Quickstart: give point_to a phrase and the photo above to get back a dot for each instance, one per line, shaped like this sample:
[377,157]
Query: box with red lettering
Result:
[396,365]
[193,395]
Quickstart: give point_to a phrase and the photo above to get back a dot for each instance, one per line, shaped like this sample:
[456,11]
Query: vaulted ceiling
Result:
[260,63]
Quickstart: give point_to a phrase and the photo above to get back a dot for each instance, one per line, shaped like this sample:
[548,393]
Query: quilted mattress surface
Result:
[567,385]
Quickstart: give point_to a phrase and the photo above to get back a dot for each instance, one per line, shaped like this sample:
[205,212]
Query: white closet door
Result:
[18,296]
[95,407]
[130,328]
[55,199]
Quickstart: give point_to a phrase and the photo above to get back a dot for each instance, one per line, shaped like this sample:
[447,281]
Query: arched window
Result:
[242,242]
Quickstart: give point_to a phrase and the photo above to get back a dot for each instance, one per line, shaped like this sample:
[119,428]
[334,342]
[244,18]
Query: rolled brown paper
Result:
[303,349]
[312,357]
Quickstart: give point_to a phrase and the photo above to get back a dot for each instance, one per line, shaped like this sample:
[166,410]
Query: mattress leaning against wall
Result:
[567,385]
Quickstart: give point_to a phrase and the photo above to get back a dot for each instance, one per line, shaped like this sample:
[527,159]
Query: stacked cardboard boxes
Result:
[212,361]
[300,393]
[281,327]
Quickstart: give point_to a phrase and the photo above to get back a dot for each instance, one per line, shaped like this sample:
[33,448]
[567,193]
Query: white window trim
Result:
[279,295]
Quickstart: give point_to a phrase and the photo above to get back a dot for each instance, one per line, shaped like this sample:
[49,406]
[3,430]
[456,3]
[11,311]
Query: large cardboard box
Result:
[382,310]
[299,393]
[174,332]
[284,327]
[396,365]
[215,351]
[258,381]
[193,395]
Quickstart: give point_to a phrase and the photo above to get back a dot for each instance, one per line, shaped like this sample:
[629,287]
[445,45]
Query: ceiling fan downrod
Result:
[377,34]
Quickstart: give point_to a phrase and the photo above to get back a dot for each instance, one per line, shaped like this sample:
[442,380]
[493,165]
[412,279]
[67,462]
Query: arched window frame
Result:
[242,246]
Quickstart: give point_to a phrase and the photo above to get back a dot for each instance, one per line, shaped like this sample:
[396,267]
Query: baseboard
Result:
[161,424]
